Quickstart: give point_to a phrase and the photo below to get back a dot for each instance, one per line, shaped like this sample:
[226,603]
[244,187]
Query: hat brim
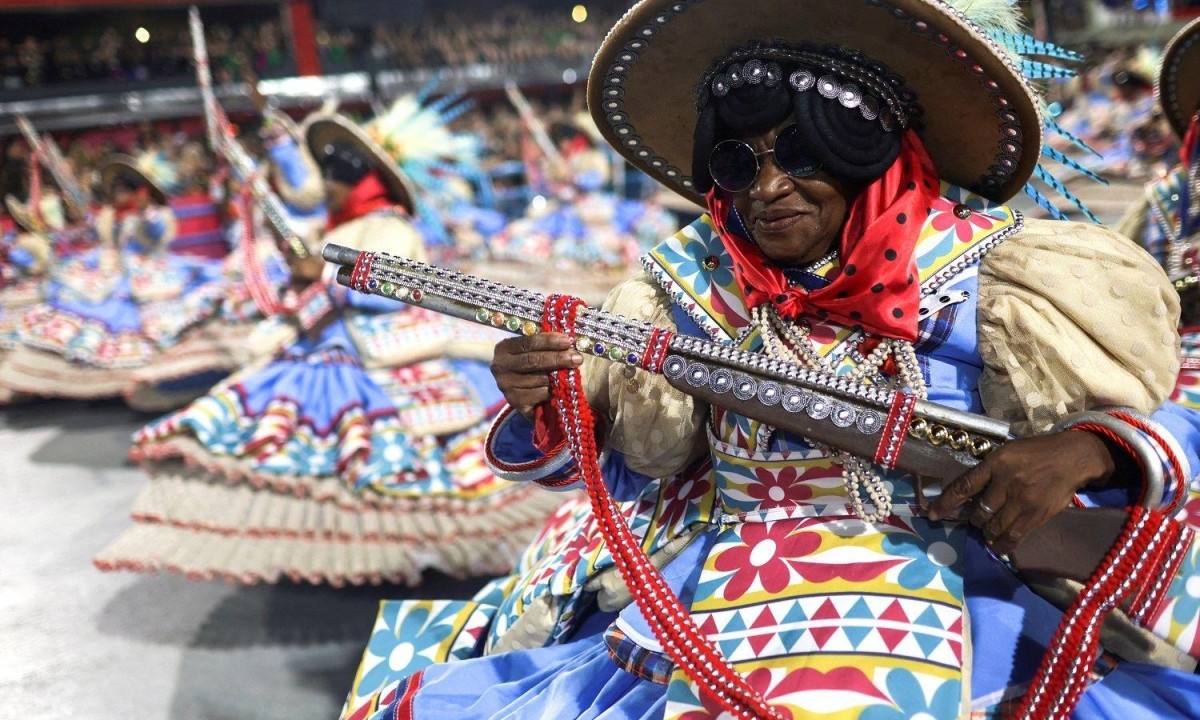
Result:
[127,165]
[21,214]
[982,121]
[321,130]
[1178,86]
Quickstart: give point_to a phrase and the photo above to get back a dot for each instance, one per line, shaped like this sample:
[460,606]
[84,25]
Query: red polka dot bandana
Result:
[877,287]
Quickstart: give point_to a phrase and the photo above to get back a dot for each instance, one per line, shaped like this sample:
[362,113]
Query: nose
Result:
[772,182]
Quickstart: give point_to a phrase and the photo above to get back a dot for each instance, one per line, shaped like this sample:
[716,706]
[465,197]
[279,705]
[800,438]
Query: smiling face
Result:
[792,220]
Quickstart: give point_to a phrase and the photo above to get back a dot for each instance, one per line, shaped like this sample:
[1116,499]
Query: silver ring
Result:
[983,506]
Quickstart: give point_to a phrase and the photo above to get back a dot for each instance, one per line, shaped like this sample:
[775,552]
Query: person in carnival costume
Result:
[48,229]
[26,260]
[1166,220]
[574,222]
[355,455]
[114,308]
[854,158]
[234,335]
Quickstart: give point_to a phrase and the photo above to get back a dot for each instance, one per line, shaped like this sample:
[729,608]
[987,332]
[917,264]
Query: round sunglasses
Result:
[734,165]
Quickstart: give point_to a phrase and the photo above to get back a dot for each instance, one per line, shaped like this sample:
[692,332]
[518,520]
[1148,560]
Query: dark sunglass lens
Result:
[793,159]
[733,165]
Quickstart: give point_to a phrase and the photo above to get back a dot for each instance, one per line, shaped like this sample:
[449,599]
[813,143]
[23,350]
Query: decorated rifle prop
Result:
[224,142]
[894,428]
[245,169]
[537,129]
[54,161]
[203,75]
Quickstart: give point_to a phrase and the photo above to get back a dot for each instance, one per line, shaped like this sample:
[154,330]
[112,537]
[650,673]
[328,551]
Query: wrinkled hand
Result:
[522,367]
[1024,483]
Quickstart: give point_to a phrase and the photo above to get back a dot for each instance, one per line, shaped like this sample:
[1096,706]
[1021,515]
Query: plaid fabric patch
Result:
[637,660]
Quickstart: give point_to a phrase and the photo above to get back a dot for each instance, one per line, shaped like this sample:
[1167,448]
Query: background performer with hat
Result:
[353,455]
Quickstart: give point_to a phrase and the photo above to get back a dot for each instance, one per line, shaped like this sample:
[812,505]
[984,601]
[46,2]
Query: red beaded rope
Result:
[681,638]
[1064,672]
[255,277]
[1179,478]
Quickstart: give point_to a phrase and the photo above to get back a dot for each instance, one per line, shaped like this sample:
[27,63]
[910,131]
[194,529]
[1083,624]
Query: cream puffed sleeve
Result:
[380,232]
[658,428]
[1071,317]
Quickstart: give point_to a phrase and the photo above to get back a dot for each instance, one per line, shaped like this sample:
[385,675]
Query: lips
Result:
[777,220]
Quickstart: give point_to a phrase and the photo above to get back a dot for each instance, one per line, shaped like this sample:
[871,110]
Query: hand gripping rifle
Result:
[894,428]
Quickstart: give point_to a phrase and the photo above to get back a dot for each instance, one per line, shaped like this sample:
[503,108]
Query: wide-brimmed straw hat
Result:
[982,120]
[321,130]
[143,168]
[1178,86]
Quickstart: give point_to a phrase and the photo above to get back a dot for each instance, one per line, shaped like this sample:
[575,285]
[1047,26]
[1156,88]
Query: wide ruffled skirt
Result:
[15,299]
[314,468]
[96,328]
[579,680]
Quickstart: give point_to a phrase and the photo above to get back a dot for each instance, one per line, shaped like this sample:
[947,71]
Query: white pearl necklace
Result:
[788,341]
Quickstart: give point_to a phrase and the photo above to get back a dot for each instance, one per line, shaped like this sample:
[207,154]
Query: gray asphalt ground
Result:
[78,643]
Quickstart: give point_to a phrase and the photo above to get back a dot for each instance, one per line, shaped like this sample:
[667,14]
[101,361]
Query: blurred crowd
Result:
[1111,107]
[504,36]
[111,55]
[184,148]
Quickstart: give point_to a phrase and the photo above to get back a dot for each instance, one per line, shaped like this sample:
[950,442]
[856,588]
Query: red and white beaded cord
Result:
[1132,562]
[681,638]
[253,273]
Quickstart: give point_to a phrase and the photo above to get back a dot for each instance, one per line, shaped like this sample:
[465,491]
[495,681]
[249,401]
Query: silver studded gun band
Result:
[932,440]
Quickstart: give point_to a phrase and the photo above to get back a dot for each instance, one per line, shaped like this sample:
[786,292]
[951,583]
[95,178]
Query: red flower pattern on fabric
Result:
[964,229]
[767,554]
[782,489]
[677,496]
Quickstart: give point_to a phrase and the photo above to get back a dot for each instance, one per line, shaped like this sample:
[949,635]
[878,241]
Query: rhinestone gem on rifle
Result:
[869,422]
[769,393]
[819,408]
[794,400]
[843,415]
[744,388]
[697,375]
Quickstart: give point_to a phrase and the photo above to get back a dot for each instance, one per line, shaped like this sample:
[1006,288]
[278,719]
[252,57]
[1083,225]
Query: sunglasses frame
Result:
[790,129]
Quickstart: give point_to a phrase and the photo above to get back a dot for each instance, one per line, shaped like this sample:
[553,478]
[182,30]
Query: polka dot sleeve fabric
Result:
[656,427]
[1072,317]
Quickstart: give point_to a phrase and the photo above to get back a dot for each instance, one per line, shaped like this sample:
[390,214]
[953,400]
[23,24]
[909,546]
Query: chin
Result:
[787,251]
